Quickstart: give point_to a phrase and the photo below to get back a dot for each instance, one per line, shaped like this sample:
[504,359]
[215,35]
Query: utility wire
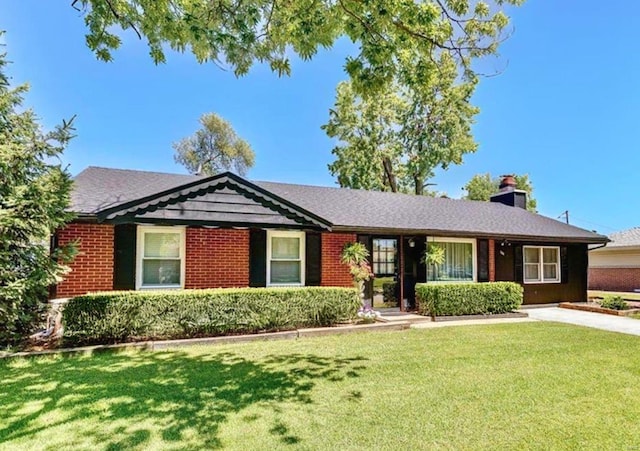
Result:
[591,222]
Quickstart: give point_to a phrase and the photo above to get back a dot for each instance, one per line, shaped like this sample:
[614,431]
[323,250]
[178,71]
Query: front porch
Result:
[398,264]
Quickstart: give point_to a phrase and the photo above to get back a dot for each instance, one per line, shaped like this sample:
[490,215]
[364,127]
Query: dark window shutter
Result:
[518,266]
[312,259]
[483,260]
[257,258]
[124,257]
[564,264]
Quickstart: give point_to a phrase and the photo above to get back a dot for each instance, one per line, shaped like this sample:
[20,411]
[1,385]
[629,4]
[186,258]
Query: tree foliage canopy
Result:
[482,186]
[214,148]
[397,39]
[394,141]
[403,47]
[34,197]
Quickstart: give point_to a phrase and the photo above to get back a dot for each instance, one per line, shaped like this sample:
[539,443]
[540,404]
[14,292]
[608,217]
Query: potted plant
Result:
[355,256]
[433,256]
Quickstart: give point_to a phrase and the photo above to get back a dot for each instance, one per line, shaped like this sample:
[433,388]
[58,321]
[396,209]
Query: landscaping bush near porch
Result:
[452,299]
[148,315]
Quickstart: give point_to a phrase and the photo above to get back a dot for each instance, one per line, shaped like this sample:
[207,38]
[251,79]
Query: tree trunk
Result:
[419,184]
[389,175]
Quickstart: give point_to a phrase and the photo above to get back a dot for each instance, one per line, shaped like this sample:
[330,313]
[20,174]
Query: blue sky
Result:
[566,110]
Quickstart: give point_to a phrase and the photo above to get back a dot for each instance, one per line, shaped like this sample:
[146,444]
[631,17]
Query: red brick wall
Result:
[334,273]
[492,261]
[92,269]
[614,279]
[217,258]
[214,258]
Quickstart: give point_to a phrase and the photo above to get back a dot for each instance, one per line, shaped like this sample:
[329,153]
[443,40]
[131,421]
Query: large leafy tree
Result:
[214,148]
[396,39]
[394,141]
[34,196]
[369,150]
[482,186]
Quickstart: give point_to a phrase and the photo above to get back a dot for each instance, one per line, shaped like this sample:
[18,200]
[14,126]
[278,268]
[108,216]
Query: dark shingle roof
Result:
[99,188]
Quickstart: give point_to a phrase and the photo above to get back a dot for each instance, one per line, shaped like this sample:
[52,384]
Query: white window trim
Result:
[140,254]
[474,257]
[541,264]
[286,234]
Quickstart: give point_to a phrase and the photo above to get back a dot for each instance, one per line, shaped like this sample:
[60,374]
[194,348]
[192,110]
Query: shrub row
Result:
[389,293]
[452,299]
[111,317]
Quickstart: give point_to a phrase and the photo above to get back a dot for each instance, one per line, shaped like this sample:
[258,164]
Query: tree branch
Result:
[117,16]
[364,24]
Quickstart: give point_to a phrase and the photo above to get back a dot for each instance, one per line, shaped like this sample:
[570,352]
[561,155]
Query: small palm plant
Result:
[433,256]
[355,255]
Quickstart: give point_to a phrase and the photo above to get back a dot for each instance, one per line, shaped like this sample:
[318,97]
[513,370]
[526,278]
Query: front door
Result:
[415,270]
[384,264]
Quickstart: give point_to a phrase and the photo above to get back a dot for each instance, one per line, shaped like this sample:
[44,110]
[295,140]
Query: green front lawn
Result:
[527,385]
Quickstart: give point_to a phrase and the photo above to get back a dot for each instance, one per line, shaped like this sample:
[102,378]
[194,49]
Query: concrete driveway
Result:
[588,319]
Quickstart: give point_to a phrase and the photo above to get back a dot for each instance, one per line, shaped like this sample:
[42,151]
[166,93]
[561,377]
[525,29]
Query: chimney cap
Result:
[508,183]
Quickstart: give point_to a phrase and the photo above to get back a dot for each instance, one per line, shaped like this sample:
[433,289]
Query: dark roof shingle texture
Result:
[99,188]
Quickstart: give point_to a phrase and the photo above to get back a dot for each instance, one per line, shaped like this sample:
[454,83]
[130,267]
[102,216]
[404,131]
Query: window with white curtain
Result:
[541,264]
[383,258]
[459,263]
[285,258]
[161,252]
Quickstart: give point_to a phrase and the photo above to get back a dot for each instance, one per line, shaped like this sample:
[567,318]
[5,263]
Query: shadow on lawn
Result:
[185,397]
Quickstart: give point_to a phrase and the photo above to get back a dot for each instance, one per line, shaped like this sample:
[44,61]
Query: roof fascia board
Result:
[210,224]
[629,248]
[470,234]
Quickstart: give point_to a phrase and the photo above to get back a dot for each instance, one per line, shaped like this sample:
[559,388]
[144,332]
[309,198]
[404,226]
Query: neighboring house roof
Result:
[629,238]
[100,190]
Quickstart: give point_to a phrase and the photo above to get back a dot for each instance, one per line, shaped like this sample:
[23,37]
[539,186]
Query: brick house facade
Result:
[214,258]
[140,230]
[92,269]
[616,267]
[614,279]
[333,272]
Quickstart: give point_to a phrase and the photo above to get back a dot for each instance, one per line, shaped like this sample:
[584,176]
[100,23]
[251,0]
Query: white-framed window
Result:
[160,258]
[285,258]
[541,264]
[459,263]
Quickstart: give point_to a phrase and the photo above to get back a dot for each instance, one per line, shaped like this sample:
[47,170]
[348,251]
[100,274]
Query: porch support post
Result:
[403,307]
[492,260]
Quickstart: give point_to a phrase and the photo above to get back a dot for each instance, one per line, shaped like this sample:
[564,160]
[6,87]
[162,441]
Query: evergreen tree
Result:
[34,197]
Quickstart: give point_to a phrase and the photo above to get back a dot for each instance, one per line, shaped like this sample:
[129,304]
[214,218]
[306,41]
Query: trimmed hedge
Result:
[118,316]
[389,293]
[453,299]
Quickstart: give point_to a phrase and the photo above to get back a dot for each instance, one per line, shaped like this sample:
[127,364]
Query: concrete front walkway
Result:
[596,320]
[424,322]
